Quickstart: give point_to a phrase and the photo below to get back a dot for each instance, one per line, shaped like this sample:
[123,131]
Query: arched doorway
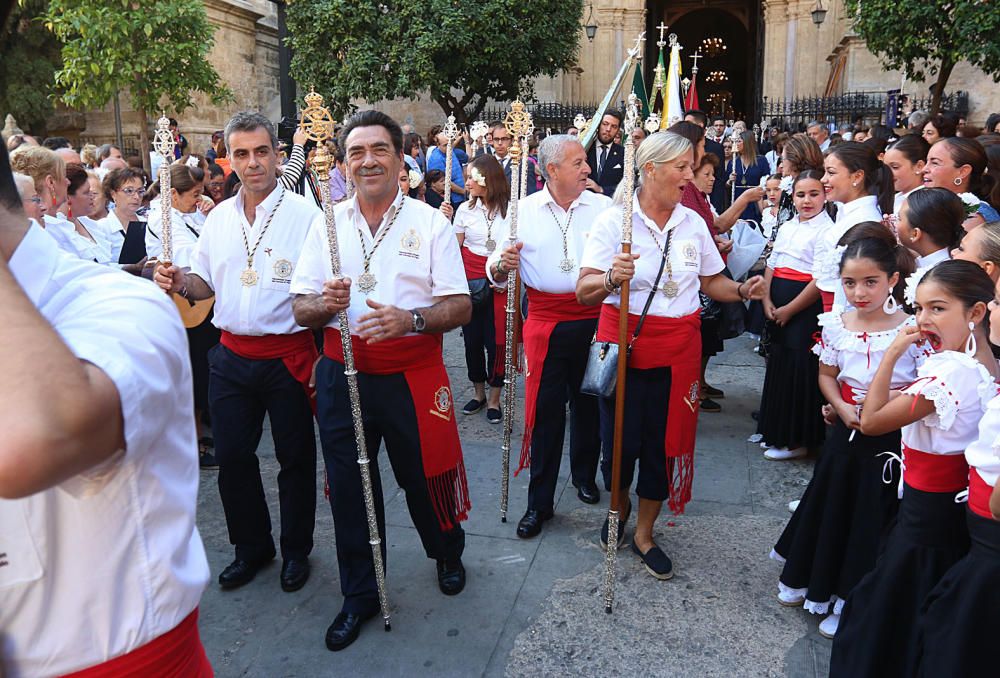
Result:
[729,76]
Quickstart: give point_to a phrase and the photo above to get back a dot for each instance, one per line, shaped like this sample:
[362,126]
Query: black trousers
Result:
[479,336]
[388,414]
[562,373]
[240,392]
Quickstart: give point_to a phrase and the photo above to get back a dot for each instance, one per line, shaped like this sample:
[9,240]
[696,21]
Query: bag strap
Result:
[649,299]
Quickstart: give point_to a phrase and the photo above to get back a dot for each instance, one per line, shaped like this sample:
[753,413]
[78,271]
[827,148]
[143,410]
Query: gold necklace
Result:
[367,280]
[249,276]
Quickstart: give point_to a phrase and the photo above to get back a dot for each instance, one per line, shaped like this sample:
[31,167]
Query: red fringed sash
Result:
[792,274]
[419,359]
[934,472]
[545,311]
[297,351]
[673,343]
[475,267]
[178,653]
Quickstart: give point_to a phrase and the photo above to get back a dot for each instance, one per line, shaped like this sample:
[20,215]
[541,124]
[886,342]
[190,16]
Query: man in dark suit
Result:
[501,151]
[606,157]
[718,195]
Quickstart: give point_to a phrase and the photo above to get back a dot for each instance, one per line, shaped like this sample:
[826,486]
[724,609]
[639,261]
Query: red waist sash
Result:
[545,311]
[475,265]
[979,495]
[847,393]
[827,298]
[792,274]
[297,351]
[418,358]
[934,472]
[178,653]
[673,343]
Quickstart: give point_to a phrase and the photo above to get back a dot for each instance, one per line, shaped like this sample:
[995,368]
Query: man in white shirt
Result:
[98,468]
[819,133]
[552,232]
[403,285]
[246,255]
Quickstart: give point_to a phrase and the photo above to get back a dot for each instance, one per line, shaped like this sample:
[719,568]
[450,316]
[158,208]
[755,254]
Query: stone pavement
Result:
[534,607]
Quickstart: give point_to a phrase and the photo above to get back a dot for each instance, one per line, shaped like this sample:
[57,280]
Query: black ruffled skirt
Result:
[791,400]
[833,538]
[877,635]
[961,616]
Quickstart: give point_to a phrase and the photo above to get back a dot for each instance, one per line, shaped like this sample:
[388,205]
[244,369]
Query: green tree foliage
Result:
[29,57]
[927,38]
[463,54]
[157,51]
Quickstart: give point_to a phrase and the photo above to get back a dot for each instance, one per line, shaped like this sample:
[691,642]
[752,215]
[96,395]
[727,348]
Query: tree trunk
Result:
[942,80]
[144,141]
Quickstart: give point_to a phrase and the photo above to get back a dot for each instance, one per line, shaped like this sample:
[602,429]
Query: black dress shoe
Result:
[451,576]
[531,524]
[241,572]
[294,574]
[588,493]
[345,629]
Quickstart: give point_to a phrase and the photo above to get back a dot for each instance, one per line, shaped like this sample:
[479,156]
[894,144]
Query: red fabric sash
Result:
[792,274]
[847,393]
[545,311]
[297,351]
[979,495]
[827,298]
[178,653]
[475,265]
[418,358]
[935,472]
[673,343]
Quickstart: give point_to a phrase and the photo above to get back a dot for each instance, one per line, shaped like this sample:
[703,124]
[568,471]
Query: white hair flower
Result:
[415,178]
[910,293]
[477,176]
[786,184]
[970,202]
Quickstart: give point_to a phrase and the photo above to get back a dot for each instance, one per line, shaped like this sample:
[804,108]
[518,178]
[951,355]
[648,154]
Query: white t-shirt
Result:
[795,245]
[540,225]
[858,354]
[110,559]
[416,262]
[960,387]
[693,253]
[478,228]
[220,257]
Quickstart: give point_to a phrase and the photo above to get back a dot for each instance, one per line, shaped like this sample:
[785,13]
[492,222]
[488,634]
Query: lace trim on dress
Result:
[835,335]
[942,393]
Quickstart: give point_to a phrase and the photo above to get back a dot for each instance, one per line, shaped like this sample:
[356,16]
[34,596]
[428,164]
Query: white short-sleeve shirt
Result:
[693,253]
[795,245]
[960,387]
[477,227]
[184,236]
[984,453]
[220,257]
[848,215]
[110,559]
[858,354]
[540,224]
[417,260]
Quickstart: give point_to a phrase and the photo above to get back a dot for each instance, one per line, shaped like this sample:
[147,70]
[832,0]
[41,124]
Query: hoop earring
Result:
[958,181]
[970,343]
[889,305]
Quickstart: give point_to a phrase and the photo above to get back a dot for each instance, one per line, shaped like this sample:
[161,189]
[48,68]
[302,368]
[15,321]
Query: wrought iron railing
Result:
[547,116]
[870,107]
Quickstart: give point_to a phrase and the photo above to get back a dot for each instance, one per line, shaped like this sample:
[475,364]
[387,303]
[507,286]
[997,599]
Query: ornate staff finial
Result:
[673,40]
[652,123]
[663,29]
[450,129]
[316,121]
[163,142]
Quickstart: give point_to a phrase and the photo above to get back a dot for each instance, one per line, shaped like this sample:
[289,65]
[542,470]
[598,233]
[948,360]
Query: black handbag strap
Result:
[656,284]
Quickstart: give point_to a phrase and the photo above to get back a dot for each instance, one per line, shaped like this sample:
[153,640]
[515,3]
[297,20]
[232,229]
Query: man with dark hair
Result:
[403,285]
[55,143]
[211,154]
[180,147]
[699,118]
[718,131]
[607,157]
[501,151]
[263,363]
[106,151]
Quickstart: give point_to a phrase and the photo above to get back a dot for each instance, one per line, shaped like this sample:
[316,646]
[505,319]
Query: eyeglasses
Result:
[35,199]
[129,192]
[502,138]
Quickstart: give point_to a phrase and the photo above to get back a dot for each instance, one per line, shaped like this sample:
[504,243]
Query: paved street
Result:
[534,608]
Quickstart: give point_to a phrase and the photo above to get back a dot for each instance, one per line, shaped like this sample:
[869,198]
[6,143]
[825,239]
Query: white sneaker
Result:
[828,627]
[793,505]
[784,454]
[790,598]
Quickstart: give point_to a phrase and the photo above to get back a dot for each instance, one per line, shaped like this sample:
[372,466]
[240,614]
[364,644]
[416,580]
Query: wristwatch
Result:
[419,323]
